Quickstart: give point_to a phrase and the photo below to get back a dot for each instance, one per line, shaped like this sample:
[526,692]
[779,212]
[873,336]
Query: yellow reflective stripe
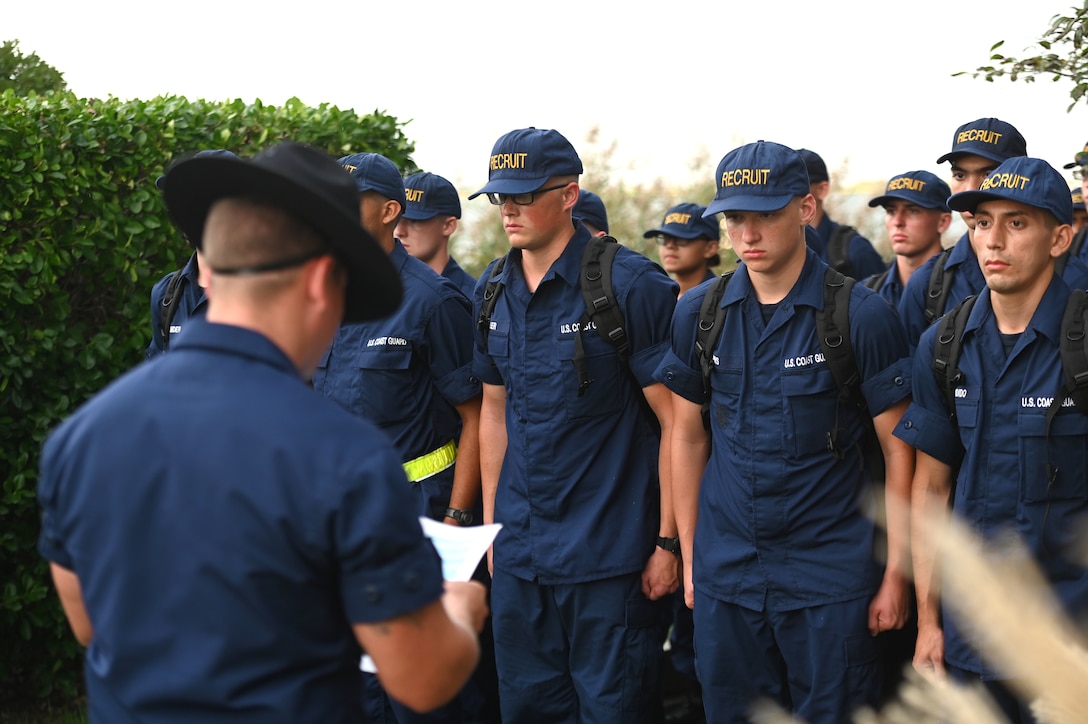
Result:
[432,463]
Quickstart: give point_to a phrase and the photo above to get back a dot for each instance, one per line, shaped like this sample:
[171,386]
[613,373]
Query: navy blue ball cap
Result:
[1028,181]
[987,137]
[1080,159]
[310,186]
[590,209]
[523,160]
[1078,199]
[920,188]
[761,176]
[222,152]
[686,221]
[429,195]
[375,172]
[817,169]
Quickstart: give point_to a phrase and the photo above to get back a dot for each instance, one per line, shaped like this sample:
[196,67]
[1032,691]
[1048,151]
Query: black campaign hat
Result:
[306,183]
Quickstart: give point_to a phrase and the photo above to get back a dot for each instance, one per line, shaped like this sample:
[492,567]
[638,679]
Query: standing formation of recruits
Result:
[737,465]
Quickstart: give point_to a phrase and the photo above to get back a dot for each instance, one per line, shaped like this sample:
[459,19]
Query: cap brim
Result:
[683,233]
[969,200]
[1071,164]
[419,215]
[972,152]
[511,186]
[742,202]
[374,288]
[881,200]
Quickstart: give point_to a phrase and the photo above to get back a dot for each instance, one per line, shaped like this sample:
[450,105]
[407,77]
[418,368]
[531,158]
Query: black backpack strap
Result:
[602,309]
[170,299]
[838,249]
[833,331]
[707,332]
[940,281]
[946,351]
[876,281]
[491,297]
[1074,349]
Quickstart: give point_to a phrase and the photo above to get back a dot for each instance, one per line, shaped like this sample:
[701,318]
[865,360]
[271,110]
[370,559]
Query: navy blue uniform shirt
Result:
[227,536]
[191,305]
[863,257]
[890,288]
[461,278]
[780,526]
[1000,443]
[578,492]
[406,373]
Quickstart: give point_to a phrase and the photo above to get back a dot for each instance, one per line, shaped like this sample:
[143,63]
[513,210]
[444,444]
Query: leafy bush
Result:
[84,236]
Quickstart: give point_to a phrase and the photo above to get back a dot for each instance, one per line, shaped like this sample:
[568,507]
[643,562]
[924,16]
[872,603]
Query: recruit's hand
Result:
[890,607]
[661,576]
[466,604]
[929,651]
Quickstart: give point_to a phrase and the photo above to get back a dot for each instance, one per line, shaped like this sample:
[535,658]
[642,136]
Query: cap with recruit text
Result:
[1028,181]
[429,195]
[987,137]
[524,160]
[1078,199]
[920,188]
[375,172]
[761,176]
[686,221]
[817,169]
[590,209]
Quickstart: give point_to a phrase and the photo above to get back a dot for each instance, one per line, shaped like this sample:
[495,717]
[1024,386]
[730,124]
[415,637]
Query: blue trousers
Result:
[582,652]
[820,663]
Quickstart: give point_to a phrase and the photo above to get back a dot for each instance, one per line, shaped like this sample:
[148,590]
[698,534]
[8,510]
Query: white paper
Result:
[460,549]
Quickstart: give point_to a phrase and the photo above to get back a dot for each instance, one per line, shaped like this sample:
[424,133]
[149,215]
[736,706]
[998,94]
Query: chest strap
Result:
[432,463]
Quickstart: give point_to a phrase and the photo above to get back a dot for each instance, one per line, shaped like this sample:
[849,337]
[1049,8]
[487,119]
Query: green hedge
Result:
[83,237]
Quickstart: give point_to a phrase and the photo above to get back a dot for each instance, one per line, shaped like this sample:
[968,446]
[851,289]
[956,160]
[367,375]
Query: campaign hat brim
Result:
[299,183]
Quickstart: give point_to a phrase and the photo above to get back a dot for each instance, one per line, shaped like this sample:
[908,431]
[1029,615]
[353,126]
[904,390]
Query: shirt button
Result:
[474,380]
[908,424]
[411,581]
[899,381]
[670,376]
[373,594]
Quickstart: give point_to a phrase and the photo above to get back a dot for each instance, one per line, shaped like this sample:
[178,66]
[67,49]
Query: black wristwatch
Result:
[672,545]
[464,517]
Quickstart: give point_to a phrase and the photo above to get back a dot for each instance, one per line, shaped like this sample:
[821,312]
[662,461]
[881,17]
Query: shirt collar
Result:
[200,334]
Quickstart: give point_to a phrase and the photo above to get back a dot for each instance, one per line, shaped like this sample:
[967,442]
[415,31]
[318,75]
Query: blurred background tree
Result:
[27,73]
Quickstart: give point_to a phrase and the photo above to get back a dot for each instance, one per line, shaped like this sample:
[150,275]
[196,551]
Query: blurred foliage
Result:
[25,74]
[1064,57]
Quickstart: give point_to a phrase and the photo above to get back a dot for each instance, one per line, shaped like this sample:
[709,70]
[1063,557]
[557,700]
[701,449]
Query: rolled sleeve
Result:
[927,425]
[887,387]
[401,584]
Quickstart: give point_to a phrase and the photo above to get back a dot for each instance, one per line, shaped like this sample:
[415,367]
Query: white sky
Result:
[867,84]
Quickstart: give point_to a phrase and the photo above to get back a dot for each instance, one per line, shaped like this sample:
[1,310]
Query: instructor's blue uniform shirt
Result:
[780,524]
[192,304]
[578,492]
[407,372]
[221,570]
[1001,446]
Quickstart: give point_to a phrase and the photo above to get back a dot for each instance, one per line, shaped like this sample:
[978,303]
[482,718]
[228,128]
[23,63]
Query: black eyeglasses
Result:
[522,199]
[663,240]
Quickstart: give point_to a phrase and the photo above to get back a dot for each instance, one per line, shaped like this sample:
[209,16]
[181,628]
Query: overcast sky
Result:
[867,84]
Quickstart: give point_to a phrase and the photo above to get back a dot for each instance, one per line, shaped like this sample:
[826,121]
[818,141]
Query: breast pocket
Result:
[385,391]
[603,395]
[1068,453]
[725,395]
[811,398]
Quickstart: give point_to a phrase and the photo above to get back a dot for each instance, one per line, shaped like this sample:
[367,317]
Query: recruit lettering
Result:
[682,219]
[979,134]
[414,194]
[745,177]
[508,160]
[906,182]
[1005,181]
